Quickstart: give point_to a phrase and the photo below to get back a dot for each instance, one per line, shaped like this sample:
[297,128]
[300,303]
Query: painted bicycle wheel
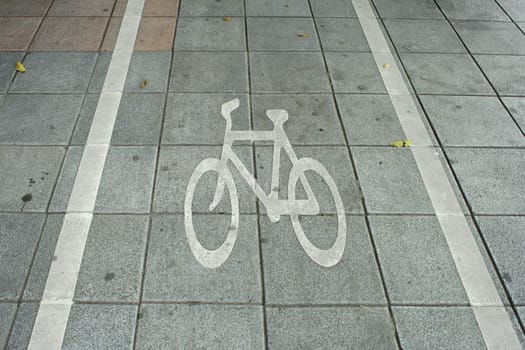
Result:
[324,257]
[215,257]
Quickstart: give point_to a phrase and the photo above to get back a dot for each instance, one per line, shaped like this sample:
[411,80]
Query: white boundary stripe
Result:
[53,313]
[493,320]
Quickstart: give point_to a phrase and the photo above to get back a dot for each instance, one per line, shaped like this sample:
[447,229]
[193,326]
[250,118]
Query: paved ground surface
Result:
[139,285]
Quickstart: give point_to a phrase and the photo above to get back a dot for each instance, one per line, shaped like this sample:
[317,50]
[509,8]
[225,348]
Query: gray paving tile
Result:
[410,35]
[43,257]
[22,327]
[521,25]
[35,119]
[334,8]
[312,118]
[111,268]
[416,262]
[200,327]
[7,68]
[514,318]
[65,8]
[99,72]
[176,165]
[62,72]
[390,181]
[28,175]
[151,66]
[491,267]
[85,118]
[354,72]
[515,8]
[127,180]
[491,178]
[504,237]
[445,74]
[423,9]
[212,33]
[330,328]
[342,34]
[290,72]
[472,121]
[440,154]
[66,179]
[482,10]
[212,8]
[278,8]
[93,326]
[282,34]
[516,106]
[173,274]
[369,119]
[197,119]
[506,73]
[521,313]
[336,161]
[291,277]
[15,8]
[7,314]
[19,234]
[209,72]
[491,37]
[139,119]
[438,328]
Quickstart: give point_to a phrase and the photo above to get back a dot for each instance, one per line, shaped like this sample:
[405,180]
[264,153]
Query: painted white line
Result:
[89,173]
[62,276]
[53,313]
[494,322]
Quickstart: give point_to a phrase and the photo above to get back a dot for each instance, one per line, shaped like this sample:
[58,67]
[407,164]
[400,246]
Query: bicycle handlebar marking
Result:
[274,207]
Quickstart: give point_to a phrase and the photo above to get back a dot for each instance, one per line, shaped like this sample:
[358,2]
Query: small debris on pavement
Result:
[386,65]
[19,66]
[365,307]
[401,143]
[227,19]
[144,84]
[302,35]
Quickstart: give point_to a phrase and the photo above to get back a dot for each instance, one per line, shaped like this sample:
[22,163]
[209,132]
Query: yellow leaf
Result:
[386,65]
[20,67]
[227,19]
[144,84]
[401,143]
[302,35]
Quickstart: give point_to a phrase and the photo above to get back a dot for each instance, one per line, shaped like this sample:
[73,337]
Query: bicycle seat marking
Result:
[275,207]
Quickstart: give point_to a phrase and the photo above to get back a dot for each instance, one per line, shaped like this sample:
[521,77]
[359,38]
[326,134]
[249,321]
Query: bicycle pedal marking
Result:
[275,207]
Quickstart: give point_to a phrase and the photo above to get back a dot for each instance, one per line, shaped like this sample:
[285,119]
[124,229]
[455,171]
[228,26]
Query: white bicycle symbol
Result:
[275,207]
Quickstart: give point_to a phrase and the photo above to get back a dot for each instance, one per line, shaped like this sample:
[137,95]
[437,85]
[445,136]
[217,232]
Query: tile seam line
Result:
[494,323]
[349,152]
[57,298]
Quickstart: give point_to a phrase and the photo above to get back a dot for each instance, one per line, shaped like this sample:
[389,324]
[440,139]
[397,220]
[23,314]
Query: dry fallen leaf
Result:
[401,143]
[227,19]
[144,84]
[386,65]
[365,307]
[302,35]
[19,66]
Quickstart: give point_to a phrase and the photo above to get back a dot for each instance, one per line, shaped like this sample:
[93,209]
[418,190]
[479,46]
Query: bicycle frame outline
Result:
[275,207]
